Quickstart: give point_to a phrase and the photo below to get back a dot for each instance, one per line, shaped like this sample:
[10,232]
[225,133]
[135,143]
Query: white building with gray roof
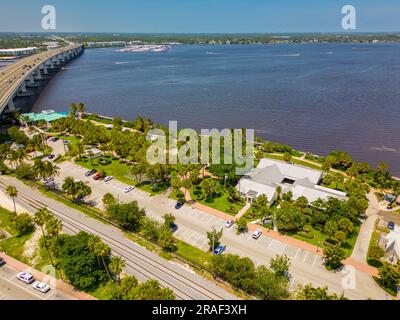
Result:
[271,174]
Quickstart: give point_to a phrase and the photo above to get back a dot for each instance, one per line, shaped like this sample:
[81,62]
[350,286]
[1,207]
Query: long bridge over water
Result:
[17,78]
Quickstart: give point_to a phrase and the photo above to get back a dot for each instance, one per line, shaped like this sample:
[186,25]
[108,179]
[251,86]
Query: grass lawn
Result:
[319,239]
[193,254]
[71,138]
[14,245]
[296,161]
[121,172]
[220,202]
[339,187]
[374,242]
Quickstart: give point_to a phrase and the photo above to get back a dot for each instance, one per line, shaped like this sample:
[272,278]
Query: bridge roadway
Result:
[13,78]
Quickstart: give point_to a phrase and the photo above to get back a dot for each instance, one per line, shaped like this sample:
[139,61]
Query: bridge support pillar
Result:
[44,68]
[23,87]
[11,105]
[38,75]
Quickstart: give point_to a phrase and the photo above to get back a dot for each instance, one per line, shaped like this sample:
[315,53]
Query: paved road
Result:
[139,262]
[361,246]
[13,289]
[193,224]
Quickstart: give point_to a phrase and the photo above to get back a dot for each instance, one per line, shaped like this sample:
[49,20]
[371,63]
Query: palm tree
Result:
[79,149]
[53,227]
[72,109]
[69,185]
[90,155]
[39,168]
[103,250]
[81,108]
[100,249]
[82,189]
[116,265]
[13,158]
[12,192]
[186,184]
[51,170]
[92,243]
[40,218]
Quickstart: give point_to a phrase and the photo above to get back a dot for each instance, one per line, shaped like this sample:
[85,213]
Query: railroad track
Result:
[130,254]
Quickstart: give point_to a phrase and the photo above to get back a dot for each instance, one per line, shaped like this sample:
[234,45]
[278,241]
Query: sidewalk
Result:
[59,285]
[277,236]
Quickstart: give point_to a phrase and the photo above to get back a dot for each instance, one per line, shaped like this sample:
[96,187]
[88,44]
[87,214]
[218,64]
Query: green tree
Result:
[166,239]
[269,286]
[169,220]
[25,172]
[289,218]
[241,225]
[376,252]
[333,256]
[389,276]
[287,157]
[308,292]
[79,263]
[280,265]
[23,223]
[210,188]
[109,200]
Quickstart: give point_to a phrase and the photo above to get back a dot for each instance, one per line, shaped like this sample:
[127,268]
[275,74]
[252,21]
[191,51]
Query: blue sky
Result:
[196,16]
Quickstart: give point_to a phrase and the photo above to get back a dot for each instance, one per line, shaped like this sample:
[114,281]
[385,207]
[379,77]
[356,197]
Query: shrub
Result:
[25,172]
[307,235]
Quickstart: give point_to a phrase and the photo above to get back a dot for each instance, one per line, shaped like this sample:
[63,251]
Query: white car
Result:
[257,234]
[25,277]
[109,178]
[229,223]
[41,286]
[128,189]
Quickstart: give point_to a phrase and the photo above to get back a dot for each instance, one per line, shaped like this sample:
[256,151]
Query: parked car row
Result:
[29,279]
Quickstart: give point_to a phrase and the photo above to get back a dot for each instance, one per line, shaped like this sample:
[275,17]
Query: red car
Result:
[97,176]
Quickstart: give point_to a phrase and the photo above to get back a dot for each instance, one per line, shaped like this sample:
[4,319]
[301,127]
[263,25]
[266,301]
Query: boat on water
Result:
[146,48]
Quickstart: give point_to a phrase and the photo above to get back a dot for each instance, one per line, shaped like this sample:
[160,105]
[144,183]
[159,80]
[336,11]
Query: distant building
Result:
[18,51]
[271,174]
[46,115]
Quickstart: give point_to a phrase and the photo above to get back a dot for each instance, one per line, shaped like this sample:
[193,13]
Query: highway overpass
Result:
[17,78]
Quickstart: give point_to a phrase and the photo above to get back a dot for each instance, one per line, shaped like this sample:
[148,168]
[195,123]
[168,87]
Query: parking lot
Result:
[13,289]
[306,266]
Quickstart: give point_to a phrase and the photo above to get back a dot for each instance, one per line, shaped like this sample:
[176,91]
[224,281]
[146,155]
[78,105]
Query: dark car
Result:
[179,204]
[174,227]
[391,225]
[2,261]
[218,250]
[90,173]
[51,156]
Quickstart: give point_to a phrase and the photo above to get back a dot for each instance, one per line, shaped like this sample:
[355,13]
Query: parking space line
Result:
[23,288]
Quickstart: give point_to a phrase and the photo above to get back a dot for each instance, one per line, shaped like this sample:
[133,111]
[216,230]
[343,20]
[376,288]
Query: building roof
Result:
[301,181]
[46,115]
[393,242]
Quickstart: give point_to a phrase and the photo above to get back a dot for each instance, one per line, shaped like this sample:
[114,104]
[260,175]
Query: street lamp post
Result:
[213,239]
